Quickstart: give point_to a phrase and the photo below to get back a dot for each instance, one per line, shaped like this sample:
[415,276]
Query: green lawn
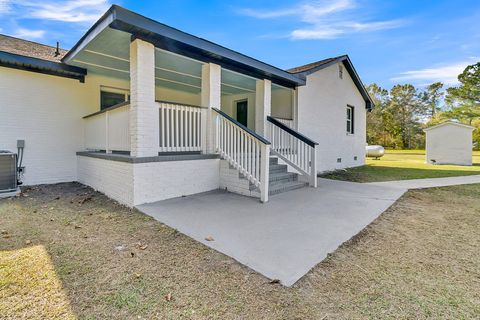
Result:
[403,165]
[63,257]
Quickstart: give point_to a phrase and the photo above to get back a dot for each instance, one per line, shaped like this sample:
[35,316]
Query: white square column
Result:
[263,105]
[210,98]
[144,114]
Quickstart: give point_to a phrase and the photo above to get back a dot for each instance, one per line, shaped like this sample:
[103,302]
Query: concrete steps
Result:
[281,180]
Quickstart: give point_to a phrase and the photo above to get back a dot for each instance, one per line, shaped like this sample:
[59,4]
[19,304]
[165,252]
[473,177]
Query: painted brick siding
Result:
[231,181]
[113,178]
[144,116]
[156,181]
[322,104]
[46,111]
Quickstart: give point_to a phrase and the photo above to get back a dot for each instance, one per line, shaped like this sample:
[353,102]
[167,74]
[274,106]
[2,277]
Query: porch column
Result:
[263,105]
[144,115]
[295,108]
[210,98]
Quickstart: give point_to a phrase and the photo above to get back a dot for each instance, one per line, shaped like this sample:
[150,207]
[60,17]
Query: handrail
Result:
[244,149]
[294,133]
[121,104]
[249,131]
[118,105]
[180,104]
[293,148]
[280,118]
[108,129]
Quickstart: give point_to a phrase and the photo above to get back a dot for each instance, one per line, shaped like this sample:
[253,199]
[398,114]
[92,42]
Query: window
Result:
[350,120]
[110,97]
[340,71]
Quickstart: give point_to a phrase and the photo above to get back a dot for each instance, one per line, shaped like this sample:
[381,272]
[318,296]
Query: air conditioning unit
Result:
[8,172]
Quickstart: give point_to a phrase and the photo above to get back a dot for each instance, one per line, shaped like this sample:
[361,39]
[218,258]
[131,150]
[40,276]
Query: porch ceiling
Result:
[108,54]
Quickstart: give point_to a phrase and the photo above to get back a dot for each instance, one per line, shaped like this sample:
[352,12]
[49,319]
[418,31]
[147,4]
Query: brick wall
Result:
[134,184]
[231,181]
[156,181]
[113,178]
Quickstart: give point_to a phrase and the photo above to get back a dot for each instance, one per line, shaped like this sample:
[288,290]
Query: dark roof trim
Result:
[249,131]
[11,60]
[115,106]
[174,40]
[294,133]
[351,71]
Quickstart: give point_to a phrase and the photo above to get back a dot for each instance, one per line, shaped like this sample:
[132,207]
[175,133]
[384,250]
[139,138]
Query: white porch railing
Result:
[108,129]
[245,150]
[180,127]
[287,122]
[294,148]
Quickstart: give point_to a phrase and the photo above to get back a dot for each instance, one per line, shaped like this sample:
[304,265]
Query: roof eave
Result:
[458,124]
[16,61]
[171,39]
[353,74]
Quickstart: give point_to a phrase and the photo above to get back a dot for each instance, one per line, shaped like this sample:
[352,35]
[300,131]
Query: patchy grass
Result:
[29,286]
[402,165]
[98,260]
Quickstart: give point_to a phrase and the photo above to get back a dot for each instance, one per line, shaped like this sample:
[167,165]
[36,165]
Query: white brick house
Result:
[143,112]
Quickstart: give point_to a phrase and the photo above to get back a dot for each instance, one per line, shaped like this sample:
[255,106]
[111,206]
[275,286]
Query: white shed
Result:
[449,143]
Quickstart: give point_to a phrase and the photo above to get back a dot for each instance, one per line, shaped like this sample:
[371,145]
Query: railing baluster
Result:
[292,147]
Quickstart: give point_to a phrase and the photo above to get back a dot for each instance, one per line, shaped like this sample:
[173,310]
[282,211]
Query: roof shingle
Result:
[312,65]
[30,49]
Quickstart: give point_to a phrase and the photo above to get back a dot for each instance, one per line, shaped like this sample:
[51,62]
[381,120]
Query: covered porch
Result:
[177,103]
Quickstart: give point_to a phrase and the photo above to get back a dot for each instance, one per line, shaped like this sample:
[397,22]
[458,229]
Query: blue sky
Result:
[389,42]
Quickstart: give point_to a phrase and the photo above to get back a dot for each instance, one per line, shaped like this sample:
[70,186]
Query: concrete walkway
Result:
[429,183]
[284,238]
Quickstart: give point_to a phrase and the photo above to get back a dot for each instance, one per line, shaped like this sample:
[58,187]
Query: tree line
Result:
[401,113]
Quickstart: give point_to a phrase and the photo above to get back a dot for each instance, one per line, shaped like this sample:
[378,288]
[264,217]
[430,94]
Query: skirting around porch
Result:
[136,180]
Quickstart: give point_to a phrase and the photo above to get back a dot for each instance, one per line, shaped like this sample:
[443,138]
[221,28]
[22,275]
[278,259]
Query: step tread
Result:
[284,187]
[282,177]
[277,167]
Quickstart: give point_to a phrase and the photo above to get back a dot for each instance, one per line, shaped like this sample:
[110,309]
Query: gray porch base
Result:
[172,156]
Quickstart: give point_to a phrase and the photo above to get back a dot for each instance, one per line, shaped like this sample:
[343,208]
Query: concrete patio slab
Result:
[284,238]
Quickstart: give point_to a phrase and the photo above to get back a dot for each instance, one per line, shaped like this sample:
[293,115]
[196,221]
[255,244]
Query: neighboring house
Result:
[449,142]
[143,112]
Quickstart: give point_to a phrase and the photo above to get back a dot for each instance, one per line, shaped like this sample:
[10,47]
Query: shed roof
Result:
[450,122]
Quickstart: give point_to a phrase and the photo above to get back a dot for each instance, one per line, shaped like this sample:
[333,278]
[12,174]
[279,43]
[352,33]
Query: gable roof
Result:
[176,41]
[450,122]
[305,70]
[311,66]
[32,56]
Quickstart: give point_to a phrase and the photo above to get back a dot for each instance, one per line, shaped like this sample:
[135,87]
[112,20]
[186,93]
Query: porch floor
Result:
[284,238]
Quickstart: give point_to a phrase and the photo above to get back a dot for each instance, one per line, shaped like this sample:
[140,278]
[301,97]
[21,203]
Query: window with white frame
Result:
[350,119]
[111,96]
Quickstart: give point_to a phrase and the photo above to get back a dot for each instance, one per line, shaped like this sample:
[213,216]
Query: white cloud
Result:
[326,31]
[326,19]
[29,34]
[309,11]
[4,6]
[445,73]
[66,11]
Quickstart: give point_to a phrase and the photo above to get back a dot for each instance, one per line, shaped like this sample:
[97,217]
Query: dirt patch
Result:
[418,260]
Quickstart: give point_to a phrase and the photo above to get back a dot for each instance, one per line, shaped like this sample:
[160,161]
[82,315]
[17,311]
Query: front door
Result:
[242,112]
